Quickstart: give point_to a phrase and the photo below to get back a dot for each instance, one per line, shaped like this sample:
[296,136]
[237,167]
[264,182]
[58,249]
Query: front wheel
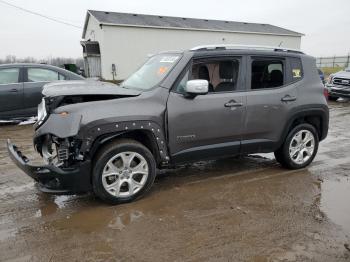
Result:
[123,171]
[299,148]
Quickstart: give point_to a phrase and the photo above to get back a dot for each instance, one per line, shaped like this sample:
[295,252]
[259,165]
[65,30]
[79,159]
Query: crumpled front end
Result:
[54,178]
[68,132]
[55,140]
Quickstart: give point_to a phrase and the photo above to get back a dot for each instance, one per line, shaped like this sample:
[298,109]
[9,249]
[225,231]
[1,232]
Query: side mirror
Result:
[197,87]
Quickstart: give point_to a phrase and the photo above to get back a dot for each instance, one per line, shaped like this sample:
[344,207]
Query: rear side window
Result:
[9,76]
[296,69]
[41,75]
[267,74]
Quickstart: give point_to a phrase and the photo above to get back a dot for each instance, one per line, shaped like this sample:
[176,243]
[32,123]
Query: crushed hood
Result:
[86,88]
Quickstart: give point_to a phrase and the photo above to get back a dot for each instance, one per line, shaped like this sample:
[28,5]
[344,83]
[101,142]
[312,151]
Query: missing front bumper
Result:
[52,179]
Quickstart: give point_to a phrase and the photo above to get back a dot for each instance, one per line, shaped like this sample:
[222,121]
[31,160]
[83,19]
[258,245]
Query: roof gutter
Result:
[200,29]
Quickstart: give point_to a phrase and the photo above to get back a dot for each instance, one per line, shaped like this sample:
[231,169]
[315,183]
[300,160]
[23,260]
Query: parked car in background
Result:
[338,84]
[204,103]
[321,74]
[21,86]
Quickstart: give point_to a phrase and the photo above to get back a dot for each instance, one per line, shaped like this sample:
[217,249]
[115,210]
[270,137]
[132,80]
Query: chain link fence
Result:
[333,61]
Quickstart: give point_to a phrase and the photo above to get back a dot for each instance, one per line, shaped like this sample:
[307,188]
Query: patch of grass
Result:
[330,70]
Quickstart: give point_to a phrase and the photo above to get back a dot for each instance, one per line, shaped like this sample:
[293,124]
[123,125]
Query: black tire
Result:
[282,154]
[105,154]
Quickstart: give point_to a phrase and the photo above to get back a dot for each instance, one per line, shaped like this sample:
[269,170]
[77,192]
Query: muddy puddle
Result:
[335,201]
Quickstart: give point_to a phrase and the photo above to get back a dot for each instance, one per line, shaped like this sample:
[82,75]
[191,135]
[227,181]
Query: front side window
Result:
[41,75]
[222,75]
[267,74]
[9,76]
[152,72]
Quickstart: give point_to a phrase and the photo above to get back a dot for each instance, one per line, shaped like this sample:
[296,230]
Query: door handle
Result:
[288,98]
[233,103]
[14,90]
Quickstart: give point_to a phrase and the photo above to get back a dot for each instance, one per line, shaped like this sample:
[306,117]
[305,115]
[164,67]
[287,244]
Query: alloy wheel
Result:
[302,146]
[125,174]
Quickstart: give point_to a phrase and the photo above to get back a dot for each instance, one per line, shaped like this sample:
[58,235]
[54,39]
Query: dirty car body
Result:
[178,114]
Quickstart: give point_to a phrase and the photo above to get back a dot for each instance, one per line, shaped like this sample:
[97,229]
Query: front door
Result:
[11,92]
[207,125]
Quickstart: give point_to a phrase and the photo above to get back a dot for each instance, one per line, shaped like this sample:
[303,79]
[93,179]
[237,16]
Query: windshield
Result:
[152,72]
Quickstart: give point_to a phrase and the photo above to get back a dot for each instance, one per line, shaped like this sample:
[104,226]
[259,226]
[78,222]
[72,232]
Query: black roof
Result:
[140,20]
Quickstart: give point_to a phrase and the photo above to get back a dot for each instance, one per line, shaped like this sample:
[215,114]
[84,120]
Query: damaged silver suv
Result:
[203,103]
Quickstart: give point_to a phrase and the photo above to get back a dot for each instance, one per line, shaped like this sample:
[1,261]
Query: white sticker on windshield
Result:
[169,59]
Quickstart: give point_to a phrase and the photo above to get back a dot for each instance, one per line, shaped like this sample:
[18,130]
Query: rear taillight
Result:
[325,93]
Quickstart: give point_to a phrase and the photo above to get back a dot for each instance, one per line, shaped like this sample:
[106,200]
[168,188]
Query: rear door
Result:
[11,91]
[272,95]
[209,125]
[35,79]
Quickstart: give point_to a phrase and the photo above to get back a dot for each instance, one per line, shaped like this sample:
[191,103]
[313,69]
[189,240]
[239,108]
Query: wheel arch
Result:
[317,117]
[144,137]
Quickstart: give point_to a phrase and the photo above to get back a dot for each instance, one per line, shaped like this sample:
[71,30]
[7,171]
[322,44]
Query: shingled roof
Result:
[168,22]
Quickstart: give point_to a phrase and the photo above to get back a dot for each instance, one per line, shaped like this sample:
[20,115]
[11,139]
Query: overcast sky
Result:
[326,24]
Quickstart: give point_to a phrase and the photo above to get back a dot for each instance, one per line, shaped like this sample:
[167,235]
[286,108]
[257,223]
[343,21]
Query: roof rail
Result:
[244,47]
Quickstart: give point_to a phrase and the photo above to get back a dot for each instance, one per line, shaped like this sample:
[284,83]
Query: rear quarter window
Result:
[296,69]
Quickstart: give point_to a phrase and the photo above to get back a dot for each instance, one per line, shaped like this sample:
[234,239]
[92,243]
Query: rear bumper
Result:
[52,179]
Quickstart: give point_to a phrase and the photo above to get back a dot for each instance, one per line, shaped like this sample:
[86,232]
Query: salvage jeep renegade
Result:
[203,103]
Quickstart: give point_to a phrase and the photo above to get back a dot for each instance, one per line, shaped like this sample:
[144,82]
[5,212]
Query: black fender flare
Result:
[321,112]
[97,135]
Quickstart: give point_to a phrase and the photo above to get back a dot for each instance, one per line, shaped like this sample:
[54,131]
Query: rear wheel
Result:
[123,171]
[299,148]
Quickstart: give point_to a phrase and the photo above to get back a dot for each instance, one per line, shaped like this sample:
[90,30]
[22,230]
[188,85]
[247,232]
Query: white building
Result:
[121,42]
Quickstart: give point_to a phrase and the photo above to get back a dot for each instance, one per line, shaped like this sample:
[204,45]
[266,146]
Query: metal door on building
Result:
[92,58]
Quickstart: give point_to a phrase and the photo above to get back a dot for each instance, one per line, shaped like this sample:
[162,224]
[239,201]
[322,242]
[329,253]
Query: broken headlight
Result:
[42,113]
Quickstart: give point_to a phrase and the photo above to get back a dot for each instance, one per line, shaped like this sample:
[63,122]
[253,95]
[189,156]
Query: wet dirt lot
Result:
[238,209]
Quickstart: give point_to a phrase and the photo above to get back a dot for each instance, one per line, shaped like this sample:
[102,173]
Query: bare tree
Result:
[56,61]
